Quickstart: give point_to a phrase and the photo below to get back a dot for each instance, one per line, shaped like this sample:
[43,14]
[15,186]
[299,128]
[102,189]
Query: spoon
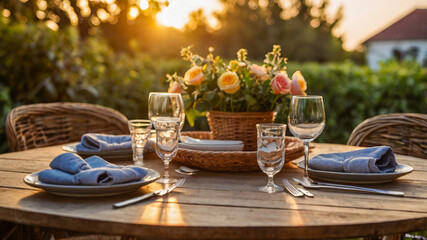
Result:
[188,169]
[184,173]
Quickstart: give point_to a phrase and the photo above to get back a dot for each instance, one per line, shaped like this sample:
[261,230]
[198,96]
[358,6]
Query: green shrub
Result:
[352,93]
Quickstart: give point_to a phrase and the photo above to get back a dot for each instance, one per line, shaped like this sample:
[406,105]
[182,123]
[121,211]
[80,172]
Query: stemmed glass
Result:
[167,133]
[166,105]
[139,132]
[271,152]
[306,121]
[166,110]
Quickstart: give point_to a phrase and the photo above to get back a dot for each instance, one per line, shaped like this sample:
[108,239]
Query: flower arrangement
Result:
[237,86]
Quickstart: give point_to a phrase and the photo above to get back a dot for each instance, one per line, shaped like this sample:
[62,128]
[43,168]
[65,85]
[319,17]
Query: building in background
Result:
[404,39]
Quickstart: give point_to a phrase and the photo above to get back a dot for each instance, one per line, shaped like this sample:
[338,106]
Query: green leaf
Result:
[210,95]
[190,114]
[251,101]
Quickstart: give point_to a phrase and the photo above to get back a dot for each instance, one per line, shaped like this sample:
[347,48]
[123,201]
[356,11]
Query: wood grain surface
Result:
[217,205]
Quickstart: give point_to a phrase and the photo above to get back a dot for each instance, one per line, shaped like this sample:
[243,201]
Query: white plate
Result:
[91,191]
[212,147]
[363,178]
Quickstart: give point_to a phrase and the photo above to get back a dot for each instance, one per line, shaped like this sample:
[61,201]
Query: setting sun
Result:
[177,13]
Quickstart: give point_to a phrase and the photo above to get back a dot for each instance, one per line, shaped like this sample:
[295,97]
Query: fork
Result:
[308,183]
[291,189]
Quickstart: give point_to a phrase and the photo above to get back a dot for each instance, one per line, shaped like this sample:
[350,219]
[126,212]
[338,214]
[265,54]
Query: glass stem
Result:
[306,151]
[166,172]
[270,180]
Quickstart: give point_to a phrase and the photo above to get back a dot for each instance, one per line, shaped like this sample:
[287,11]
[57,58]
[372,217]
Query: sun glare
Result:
[177,13]
[143,4]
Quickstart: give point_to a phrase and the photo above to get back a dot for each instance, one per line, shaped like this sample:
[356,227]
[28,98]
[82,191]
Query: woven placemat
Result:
[232,161]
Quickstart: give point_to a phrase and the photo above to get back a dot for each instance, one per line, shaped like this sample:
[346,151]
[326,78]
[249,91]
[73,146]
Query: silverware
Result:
[291,189]
[188,169]
[306,192]
[149,195]
[184,173]
[312,184]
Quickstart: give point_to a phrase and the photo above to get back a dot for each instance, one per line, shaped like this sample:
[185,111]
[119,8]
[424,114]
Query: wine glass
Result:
[271,152]
[167,133]
[139,132]
[306,121]
[166,105]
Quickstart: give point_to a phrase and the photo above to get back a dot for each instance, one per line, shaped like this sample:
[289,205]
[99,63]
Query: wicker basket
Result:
[232,161]
[238,126]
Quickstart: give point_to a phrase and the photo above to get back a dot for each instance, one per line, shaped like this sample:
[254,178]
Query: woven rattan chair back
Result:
[47,124]
[405,133]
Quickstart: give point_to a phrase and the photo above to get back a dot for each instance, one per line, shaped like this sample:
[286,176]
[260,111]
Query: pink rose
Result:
[298,84]
[259,71]
[281,84]
[194,76]
[174,87]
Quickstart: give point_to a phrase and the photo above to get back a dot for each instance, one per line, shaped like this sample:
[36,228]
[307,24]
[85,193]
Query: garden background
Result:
[113,53]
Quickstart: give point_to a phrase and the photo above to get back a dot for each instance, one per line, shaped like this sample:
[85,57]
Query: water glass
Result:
[167,134]
[140,133]
[166,105]
[271,152]
[306,121]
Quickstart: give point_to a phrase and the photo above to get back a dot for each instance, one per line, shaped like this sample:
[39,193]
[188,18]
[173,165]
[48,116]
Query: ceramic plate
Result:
[91,191]
[362,178]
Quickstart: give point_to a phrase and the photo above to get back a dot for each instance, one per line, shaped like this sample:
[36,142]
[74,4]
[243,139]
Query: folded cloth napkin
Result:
[369,160]
[70,163]
[96,171]
[93,142]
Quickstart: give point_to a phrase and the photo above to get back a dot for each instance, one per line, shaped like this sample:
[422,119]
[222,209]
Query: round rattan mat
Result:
[232,161]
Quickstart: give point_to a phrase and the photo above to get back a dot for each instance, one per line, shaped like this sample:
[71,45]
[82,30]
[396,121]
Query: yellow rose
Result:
[194,76]
[229,82]
[298,84]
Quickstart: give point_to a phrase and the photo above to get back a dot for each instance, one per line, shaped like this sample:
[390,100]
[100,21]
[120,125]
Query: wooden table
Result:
[217,205]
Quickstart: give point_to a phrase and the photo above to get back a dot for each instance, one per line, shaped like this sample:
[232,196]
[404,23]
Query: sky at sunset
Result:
[362,18]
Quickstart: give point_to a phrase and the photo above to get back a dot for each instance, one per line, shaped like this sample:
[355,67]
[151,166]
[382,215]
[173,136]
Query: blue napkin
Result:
[92,142]
[369,160]
[97,171]
[69,162]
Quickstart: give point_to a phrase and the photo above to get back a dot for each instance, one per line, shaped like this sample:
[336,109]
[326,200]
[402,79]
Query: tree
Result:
[303,29]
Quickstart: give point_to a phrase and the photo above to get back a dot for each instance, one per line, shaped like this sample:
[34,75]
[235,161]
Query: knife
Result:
[160,192]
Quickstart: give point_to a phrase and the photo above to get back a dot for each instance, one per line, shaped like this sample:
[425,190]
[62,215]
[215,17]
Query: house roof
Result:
[411,27]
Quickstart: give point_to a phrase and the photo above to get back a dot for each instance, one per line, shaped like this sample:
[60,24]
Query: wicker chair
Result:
[47,124]
[406,133]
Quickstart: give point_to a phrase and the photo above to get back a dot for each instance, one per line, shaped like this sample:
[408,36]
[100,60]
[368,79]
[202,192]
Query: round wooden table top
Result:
[217,205]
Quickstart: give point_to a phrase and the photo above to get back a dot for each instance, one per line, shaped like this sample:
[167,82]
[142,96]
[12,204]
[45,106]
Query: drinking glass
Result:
[306,121]
[166,105]
[167,133]
[271,152]
[139,132]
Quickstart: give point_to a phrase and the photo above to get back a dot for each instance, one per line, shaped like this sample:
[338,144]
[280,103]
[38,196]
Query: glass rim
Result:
[139,121]
[164,93]
[307,97]
[278,125]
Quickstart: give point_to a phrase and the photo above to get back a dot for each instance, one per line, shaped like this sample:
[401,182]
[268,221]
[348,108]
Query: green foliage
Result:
[41,65]
[5,107]
[352,94]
